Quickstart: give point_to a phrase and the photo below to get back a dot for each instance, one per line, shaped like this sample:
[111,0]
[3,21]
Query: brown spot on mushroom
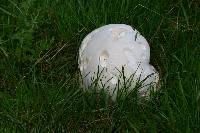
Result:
[103,58]
[117,33]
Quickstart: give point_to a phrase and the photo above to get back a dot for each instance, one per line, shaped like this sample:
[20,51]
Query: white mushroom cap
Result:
[112,47]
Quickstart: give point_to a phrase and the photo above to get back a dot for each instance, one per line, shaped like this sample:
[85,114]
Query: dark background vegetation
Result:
[39,87]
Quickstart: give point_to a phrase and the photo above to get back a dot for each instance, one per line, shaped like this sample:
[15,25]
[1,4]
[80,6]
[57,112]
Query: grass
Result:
[39,89]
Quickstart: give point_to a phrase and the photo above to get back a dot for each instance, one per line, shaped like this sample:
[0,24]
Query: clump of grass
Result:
[39,88]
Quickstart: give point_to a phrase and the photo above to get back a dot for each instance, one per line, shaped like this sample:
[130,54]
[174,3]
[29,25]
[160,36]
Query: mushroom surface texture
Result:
[116,54]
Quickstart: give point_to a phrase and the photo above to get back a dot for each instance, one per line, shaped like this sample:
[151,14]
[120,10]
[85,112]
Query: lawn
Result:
[39,75]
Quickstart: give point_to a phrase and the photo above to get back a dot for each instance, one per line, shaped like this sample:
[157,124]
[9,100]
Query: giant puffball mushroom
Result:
[114,47]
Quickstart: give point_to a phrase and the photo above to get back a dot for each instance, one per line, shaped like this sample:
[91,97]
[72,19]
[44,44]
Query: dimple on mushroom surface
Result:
[111,47]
